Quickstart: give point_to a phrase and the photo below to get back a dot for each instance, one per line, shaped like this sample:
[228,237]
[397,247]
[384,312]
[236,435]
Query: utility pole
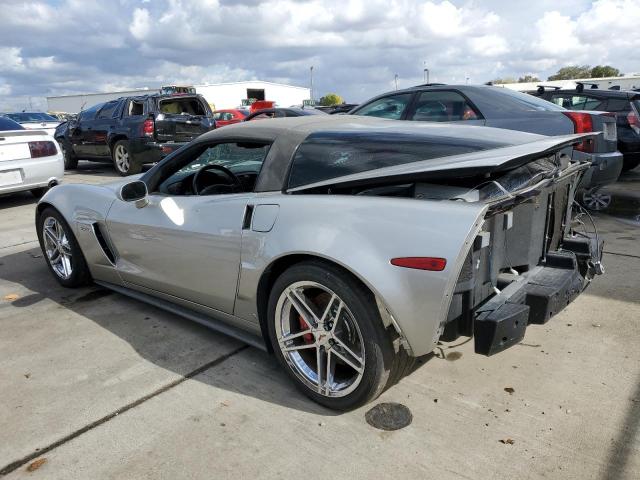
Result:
[396,80]
[311,70]
[425,72]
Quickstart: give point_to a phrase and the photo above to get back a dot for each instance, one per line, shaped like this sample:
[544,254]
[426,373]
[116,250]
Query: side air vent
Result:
[97,230]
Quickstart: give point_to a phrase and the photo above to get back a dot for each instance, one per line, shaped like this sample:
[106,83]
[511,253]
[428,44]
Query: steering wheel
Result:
[235,182]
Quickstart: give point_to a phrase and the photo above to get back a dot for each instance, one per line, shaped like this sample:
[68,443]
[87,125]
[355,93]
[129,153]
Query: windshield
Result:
[31,117]
[8,124]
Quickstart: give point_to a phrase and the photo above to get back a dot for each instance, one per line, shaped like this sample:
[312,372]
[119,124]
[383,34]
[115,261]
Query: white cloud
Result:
[141,23]
[356,46]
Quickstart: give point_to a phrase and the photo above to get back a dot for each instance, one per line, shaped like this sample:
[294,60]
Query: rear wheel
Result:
[122,159]
[327,333]
[61,250]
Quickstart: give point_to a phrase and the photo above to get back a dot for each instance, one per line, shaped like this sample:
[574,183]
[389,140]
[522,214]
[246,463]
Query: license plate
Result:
[10,177]
[610,132]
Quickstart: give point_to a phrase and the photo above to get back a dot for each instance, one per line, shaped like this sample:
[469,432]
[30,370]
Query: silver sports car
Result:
[347,246]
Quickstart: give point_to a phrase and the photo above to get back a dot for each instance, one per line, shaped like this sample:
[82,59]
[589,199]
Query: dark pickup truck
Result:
[133,131]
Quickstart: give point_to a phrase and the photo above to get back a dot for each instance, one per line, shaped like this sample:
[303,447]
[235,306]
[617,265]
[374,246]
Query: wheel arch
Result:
[116,137]
[282,263]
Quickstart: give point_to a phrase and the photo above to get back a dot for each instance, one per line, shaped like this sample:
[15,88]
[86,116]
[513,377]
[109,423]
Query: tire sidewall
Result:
[378,348]
[80,272]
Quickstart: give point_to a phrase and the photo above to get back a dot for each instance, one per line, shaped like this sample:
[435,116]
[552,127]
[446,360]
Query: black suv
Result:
[625,105]
[132,131]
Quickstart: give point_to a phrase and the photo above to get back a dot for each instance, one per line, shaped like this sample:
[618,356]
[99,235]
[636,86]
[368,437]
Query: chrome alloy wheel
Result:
[596,199]
[122,158]
[57,247]
[319,339]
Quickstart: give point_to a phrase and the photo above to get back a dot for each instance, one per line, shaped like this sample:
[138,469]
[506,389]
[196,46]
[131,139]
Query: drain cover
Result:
[389,416]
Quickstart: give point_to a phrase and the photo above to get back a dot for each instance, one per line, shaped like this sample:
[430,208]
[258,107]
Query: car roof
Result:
[596,92]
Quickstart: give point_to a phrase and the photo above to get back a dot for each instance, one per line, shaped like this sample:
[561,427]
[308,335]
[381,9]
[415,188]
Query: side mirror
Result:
[135,191]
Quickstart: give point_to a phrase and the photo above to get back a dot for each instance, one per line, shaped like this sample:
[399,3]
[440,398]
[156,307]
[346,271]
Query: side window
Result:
[90,113]
[243,159]
[264,116]
[107,110]
[443,106]
[134,108]
[618,105]
[592,103]
[391,107]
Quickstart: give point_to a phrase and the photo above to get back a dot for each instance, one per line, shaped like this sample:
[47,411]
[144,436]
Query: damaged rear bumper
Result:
[535,296]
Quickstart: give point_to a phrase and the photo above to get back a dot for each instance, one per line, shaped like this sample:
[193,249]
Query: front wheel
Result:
[327,333]
[61,250]
[122,160]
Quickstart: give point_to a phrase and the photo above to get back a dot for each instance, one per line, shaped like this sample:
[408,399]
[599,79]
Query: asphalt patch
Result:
[389,416]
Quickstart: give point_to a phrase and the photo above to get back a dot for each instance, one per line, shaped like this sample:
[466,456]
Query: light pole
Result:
[396,80]
[426,75]
[311,93]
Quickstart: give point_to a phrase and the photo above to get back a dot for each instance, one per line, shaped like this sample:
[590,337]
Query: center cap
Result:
[322,338]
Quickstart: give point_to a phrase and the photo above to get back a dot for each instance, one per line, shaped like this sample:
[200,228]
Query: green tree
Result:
[331,99]
[528,79]
[500,81]
[600,71]
[571,72]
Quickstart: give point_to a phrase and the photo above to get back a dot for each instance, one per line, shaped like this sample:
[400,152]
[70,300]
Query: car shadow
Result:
[17,199]
[164,339]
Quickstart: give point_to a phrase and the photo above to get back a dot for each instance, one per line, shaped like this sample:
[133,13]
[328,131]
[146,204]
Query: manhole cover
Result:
[389,416]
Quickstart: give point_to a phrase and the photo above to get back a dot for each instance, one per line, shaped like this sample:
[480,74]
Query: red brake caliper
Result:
[307,337]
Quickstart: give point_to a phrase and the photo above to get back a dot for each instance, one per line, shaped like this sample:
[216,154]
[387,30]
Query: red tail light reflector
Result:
[42,149]
[634,121]
[148,127]
[433,264]
[582,123]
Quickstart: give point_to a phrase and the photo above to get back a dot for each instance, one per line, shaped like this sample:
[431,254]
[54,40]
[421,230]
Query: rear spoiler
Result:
[468,164]
[21,133]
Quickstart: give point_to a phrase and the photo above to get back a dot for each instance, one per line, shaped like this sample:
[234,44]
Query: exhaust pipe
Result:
[53,183]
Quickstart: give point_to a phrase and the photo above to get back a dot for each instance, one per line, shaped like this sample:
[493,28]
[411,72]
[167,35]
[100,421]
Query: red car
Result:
[228,117]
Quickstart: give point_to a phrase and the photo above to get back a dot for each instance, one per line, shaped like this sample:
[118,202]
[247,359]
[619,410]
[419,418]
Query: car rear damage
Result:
[531,251]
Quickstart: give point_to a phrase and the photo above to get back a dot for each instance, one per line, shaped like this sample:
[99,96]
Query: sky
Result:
[356,47]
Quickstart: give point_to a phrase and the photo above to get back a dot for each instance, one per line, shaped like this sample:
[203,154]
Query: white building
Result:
[628,82]
[218,95]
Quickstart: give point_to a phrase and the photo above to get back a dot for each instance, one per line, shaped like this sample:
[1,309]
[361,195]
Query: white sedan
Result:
[35,121]
[29,159]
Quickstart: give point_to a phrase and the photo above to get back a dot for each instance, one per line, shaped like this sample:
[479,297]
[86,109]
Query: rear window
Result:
[618,105]
[31,117]
[182,106]
[8,124]
[327,155]
[527,102]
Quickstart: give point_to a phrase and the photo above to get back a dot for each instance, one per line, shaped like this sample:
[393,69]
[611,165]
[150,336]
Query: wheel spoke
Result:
[320,361]
[298,347]
[292,336]
[50,235]
[301,306]
[337,317]
[357,367]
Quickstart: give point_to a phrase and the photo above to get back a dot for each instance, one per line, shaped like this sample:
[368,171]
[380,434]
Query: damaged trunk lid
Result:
[182,118]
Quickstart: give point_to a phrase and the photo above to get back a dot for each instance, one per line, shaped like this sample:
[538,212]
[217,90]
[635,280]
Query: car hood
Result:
[468,164]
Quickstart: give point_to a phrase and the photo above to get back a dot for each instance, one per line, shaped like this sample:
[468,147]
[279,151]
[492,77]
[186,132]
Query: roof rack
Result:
[542,88]
[580,86]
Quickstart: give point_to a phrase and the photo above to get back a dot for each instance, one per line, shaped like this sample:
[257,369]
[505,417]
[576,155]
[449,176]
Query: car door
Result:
[444,106]
[98,145]
[81,132]
[184,245]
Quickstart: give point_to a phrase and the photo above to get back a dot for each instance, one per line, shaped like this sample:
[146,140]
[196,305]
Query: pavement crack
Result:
[18,244]
[24,460]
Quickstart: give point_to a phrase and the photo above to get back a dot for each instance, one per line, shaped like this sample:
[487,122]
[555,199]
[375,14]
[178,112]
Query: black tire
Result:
[630,163]
[379,355]
[70,159]
[124,167]
[80,274]
[38,192]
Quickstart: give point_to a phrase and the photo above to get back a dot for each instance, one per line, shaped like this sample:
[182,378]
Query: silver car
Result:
[347,246]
